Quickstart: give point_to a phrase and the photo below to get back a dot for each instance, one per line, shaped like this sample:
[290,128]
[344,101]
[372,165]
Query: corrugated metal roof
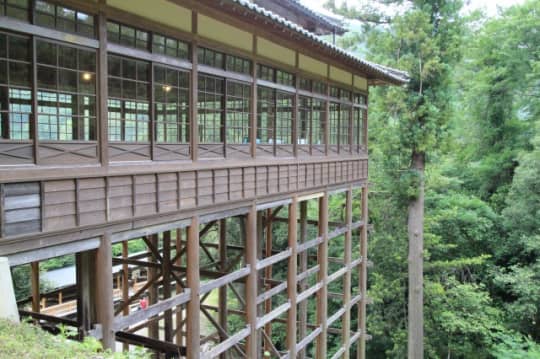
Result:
[379,71]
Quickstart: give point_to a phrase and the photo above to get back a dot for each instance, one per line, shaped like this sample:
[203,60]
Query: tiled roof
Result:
[378,71]
[324,19]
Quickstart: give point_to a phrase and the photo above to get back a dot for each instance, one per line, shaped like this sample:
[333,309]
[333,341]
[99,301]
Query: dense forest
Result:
[471,114]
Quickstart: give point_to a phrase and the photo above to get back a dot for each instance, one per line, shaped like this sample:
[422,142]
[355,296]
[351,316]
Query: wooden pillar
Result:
[167,284]
[322,258]
[363,276]
[251,282]
[302,307]
[103,136]
[292,279]
[194,136]
[179,289]
[125,284]
[86,289]
[193,282]
[104,291]
[346,326]
[268,275]
[34,276]
[223,289]
[153,326]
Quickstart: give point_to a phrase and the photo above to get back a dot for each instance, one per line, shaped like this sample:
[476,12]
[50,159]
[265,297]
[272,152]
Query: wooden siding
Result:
[85,202]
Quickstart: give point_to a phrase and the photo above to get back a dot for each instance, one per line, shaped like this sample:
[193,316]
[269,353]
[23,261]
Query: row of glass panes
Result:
[65,19]
[67,100]
[50,15]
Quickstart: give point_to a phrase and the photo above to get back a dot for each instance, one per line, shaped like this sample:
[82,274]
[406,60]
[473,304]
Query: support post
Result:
[35,286]
[268,275]
[223,289]
[322,258]
[167,284]
[179,289]
[125,285]
[251,282]
[363,276]
[193,283]
[86,289]
[104,286]
[302,307]
[153,326]
[292,279]
[346,326]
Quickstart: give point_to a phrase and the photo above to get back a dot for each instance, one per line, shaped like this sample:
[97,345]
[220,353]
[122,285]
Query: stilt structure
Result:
[205,162]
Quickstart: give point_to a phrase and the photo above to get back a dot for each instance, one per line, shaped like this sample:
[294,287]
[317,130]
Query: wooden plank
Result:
[271,292]
[308,339]
[261,322]
[273,259]
[22,201]
[121,323]
[227,344]
[224,280]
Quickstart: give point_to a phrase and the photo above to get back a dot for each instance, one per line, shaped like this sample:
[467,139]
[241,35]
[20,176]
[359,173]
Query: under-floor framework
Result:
[282,279]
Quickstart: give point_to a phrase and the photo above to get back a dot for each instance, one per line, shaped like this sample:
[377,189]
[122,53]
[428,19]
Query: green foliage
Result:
[15,339]
[472,111]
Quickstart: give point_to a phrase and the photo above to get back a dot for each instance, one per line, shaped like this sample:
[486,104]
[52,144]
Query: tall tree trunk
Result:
[415,226]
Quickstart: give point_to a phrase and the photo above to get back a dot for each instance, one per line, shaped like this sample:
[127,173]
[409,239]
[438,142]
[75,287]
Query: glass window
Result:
[358,127]
[238,112]
[128,103]
[15,87]
[305,84]
[64,19]
[169,46]
[238,64]
[127,36]
[344,126]
[18,9]
[266,73]
[210,57]
[310,124]
[333,129]
[171,91]
[266,114]
[284,78]
[319,87]
[284,118]
[66,94]
[211,109]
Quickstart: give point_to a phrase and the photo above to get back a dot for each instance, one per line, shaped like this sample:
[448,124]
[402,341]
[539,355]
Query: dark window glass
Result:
[64,19]
[305,84]
[266,114]
[319,87]
[333,125]
[15,83]
[284,118]
[128,103]
[266,73]
[238,64]
[19,9]
[284,78]
[171,105]
[211,109]
[66,92]
[238,112]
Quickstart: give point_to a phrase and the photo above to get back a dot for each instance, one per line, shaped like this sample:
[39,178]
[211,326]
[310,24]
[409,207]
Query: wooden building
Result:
[215,131]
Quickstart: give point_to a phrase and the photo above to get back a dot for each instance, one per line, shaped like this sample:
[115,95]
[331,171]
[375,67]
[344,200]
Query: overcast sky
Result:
[490,6]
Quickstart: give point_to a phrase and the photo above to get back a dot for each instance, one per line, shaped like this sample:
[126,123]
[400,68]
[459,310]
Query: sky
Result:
[490,6]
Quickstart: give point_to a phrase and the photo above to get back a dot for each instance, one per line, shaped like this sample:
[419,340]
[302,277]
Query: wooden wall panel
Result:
[168,192]
[171,152]
[235,184]
[129,152]
[145,195]
[92,201]
[188,192]
[70,203]
[249,182]
[205,189]
[120,197]
[16,153]
[68,153]
[59,205]
[21,208]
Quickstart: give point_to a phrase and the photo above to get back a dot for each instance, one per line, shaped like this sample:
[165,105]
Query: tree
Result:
[424,41]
